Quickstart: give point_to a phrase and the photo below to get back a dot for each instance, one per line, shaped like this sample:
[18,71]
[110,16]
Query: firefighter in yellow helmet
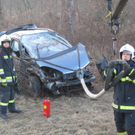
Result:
[8,78]
[124,93]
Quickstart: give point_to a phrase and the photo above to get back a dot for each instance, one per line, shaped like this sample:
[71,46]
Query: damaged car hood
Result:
[66,61]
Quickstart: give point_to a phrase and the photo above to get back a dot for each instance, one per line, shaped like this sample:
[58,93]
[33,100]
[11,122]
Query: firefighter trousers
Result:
[125,123]
[7,98]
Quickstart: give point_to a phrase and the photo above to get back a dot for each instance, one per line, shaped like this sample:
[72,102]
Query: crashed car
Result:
[51,61]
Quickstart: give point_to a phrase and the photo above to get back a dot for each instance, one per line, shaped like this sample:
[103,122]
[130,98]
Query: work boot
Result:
[11,108]
[4,116]
[15,111]
[3,112]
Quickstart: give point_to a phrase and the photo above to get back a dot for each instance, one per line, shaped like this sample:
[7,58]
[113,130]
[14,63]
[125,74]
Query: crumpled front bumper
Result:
[72,83]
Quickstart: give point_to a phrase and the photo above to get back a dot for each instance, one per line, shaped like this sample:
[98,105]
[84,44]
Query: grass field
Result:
[75,114]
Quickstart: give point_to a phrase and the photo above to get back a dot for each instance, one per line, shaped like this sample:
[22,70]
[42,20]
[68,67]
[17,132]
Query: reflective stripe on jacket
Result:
[7,69]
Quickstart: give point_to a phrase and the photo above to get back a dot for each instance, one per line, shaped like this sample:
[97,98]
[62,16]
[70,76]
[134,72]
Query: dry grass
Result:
[75,114]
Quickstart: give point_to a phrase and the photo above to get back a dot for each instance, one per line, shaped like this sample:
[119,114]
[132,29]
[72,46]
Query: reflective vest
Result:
[7,69]
[124,90]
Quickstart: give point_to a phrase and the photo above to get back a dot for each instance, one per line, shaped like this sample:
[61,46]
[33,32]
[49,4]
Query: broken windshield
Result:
[45,44]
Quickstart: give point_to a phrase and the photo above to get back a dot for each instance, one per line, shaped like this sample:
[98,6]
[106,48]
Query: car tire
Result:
[35,83]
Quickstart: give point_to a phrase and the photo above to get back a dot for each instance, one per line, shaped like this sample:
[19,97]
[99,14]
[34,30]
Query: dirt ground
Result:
[75,114]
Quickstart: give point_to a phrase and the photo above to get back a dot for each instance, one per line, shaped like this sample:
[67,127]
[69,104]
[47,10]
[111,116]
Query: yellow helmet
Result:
[127,48]
[4,38]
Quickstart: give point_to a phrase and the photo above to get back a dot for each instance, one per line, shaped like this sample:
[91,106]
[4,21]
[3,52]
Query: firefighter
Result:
[124,93]
[7,78]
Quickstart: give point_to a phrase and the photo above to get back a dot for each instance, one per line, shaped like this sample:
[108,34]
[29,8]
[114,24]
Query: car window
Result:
[15,47]
[44,44]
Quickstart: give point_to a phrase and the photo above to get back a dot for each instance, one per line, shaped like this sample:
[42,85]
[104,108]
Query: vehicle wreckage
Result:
[51,62]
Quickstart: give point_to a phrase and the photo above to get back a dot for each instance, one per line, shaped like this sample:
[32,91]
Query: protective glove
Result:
[127,68]
[3,84]
[17,90]
[15,81]
[2,76]
[111,64]
[16,84]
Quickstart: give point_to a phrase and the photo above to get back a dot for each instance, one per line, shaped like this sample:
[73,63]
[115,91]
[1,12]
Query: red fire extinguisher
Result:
[46,107]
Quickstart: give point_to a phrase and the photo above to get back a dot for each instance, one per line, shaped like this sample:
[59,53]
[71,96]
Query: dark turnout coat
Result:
[7,69]
[124,90]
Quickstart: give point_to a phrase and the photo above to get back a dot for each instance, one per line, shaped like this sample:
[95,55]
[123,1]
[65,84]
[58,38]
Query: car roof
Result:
[27,32]
[24,30]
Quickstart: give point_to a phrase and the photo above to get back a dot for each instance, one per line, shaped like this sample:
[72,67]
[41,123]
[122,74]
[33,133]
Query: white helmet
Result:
[4,38]
[127,48]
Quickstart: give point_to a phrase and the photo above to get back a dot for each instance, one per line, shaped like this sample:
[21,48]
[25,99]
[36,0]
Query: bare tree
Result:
[71,21]
[28,4]
[0,10]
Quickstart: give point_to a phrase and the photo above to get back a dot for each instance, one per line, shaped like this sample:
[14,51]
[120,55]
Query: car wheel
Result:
[35,84]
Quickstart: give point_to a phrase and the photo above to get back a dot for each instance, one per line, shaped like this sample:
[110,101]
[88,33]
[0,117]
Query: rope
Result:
[20,58]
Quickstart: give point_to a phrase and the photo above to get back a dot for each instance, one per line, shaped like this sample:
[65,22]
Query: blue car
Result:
[50,61]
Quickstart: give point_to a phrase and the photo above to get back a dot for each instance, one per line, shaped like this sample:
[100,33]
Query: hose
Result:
[108,83]
[91,95]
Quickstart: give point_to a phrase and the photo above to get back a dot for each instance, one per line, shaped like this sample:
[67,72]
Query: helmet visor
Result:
[127,51]
[5,42]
